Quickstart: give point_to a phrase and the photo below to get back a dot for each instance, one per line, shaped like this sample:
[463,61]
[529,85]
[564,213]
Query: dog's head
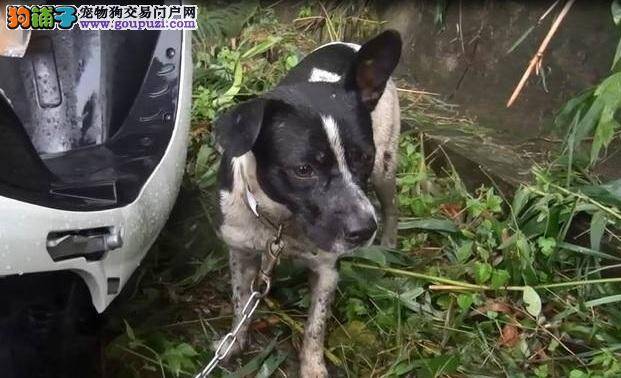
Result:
[313,146]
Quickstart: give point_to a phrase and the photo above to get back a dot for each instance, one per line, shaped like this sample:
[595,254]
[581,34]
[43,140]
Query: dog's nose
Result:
[360,232]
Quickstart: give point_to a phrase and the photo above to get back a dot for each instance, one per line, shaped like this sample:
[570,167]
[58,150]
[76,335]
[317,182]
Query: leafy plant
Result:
[596,111]
[223,20]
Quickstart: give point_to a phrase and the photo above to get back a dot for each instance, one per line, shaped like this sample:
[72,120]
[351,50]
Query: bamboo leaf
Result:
[609,193]
[519,200]
[608,98]
[567,112]
[261,47]
[615,60]
[205,153]
[605,131]
[589,121]
[603,300]
[373,254]
[129,331]
[598,226]
[271,364]
[616,12]
[432,224]
[234,89]
[587,251]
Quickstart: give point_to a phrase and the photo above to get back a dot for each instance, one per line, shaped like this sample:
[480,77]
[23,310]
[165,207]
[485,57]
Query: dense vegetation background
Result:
[485,282]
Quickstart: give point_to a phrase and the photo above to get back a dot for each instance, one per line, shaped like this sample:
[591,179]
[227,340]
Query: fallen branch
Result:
[535,62]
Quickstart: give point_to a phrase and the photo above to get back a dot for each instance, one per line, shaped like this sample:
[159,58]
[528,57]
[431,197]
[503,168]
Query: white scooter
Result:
[93,137]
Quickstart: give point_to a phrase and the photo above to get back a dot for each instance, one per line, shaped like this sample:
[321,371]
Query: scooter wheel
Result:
[48,327]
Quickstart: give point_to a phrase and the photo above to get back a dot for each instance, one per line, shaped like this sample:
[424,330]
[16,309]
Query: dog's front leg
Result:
[323,286]
[244,266]
[385,187]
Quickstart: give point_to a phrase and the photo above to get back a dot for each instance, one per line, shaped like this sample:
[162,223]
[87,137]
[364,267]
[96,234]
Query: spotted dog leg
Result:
[323,286]
[386,128]
[244,267]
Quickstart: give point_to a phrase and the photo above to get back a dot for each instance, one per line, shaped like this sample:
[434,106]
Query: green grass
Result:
[483,283]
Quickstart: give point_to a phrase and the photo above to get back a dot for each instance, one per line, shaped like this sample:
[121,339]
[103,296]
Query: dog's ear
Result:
[373,65]
[238,128]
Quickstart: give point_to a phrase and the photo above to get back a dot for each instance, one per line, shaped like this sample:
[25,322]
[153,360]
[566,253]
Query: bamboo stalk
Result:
[449,284]
[536,60]
[417,91]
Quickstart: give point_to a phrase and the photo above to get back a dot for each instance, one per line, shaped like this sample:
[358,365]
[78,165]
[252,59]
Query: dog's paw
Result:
[315,369]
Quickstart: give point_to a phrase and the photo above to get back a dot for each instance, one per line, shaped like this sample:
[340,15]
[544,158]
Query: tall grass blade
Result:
[587,251]
[604,300]
[598,227]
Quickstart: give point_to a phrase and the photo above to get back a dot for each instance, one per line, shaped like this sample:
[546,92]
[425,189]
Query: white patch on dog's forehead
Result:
[353,46]
[319,75]
[334,138]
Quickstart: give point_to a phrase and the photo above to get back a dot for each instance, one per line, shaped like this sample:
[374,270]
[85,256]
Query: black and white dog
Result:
[301,155]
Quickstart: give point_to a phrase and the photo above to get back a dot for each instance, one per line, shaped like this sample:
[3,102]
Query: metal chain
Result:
[229,340]
[269,259]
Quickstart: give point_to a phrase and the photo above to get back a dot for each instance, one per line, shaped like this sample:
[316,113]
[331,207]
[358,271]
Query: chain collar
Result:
[273,249]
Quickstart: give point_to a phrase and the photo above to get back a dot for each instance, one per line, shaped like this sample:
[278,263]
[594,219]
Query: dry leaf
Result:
[495,306]
[264,324]
[510,336]
[452,210]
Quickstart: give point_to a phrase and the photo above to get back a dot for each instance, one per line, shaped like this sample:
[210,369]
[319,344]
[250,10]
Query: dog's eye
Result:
[303,171]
